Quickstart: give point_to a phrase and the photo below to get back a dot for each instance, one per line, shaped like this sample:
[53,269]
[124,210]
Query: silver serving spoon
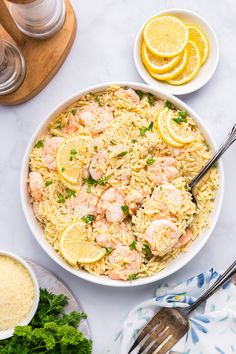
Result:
[230,139]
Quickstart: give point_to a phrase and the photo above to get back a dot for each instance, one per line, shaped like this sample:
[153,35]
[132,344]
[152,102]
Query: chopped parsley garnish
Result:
[169,105]
[108,250]
[132,276]
[70,193]
[112,142]
[125,87]
[123,153]
[74,111]
[161,188]
[133,245]
[133,124]
[58,126]
[47,183]
[151,99]
[89,189]
[182,117]
[61,198]
[125,209]
[103,181]
[88,219]
[97,99]
[73,154]
[140,93]
[146,250]
[143,130]
[39,144]
[182,114]
[150,161]
[95,148]
[134,141]
[90,181]
[63,169]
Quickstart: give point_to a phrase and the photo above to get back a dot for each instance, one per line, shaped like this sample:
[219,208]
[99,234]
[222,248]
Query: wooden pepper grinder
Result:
[26,24]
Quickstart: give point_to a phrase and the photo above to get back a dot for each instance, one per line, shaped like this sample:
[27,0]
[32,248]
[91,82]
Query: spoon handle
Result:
[230,139]
[222,279]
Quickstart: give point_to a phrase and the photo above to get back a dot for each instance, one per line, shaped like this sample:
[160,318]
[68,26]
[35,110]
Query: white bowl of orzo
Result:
[104,184]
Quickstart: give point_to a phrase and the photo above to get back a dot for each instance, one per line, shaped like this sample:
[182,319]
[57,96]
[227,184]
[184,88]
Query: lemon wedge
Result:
[180,132]
[165,36]
[75,248]
[199,38]
[157,64]
[177,70]
[73,155]
[192,67]
[161,126]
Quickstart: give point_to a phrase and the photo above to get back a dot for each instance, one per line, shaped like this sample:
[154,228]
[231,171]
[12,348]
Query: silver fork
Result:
[230,139]
[169,325]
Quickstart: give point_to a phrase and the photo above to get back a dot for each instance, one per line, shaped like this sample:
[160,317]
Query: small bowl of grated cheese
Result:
[19,293]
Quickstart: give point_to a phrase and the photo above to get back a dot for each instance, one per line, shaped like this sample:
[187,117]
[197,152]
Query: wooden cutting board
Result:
[43,57]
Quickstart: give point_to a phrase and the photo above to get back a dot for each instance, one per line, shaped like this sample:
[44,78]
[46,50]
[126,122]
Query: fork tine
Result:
[151,324]
[161,341]
[167,346]
[152,337]
[155,340]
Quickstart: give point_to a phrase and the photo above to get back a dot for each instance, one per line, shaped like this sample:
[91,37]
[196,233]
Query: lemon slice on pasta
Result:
[75,248]
[73,155]
[178,127]
[161,126]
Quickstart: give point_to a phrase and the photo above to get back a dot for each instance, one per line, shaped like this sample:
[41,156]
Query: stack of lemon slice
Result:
[172,51]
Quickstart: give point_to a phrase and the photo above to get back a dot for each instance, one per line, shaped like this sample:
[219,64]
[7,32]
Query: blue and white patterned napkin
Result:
[212,328]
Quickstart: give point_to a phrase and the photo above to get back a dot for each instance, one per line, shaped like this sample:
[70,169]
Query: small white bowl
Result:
[206,71]
[37,231]
[9,333]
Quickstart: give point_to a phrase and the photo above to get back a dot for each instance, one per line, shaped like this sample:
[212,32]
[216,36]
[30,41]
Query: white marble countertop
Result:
[103,52]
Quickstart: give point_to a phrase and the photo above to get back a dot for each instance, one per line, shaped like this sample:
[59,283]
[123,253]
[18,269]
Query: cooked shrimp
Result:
[133,199]
[125,261]
[106,116]
[163,170]
[95,165]
[110,204]
[84,203]
[36,184]
[129,94]
[49,151]
[162,235]
[95,117]
[186,237]
[171,195]
[119,233]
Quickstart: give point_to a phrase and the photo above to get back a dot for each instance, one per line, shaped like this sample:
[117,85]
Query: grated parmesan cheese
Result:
[16,293]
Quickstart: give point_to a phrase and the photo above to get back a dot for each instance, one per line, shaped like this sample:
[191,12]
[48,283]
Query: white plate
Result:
[206,71]
[37,231]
